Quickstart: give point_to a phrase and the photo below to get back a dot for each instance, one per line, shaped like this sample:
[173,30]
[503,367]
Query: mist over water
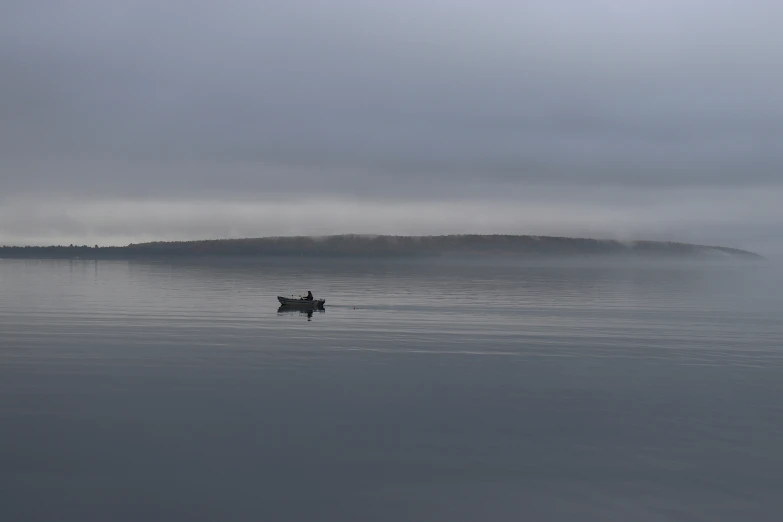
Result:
[425,391]
[134,390]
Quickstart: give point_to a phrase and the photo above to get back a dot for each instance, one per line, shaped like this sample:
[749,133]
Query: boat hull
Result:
[301,303]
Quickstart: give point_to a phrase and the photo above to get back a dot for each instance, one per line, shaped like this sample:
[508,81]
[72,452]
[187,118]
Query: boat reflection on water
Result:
[288,310]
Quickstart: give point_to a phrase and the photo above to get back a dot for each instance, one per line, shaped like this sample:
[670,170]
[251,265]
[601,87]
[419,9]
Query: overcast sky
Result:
[138,120]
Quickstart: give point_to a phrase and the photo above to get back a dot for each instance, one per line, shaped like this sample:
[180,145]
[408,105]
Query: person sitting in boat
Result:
[309,296]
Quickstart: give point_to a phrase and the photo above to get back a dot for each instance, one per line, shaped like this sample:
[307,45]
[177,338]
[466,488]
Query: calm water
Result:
[152,391]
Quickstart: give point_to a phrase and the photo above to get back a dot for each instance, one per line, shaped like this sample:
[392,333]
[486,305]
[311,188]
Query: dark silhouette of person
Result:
[309,296]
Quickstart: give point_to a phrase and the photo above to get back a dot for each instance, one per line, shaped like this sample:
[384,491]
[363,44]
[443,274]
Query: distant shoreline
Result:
[460,246]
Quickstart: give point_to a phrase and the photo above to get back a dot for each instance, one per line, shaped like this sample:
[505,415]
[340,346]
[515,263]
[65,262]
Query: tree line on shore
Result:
[359,245]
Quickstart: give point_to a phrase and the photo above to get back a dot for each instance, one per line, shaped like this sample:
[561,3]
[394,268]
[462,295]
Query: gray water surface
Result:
[157,391]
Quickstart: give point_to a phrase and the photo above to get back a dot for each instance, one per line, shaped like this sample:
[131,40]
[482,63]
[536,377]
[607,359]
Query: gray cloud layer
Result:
[597,114]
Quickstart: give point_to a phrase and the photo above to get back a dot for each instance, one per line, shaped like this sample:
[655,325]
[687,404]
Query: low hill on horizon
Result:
[349,245]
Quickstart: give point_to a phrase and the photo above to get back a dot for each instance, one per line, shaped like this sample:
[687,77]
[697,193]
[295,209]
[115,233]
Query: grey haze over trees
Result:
[449,248]
[130,121]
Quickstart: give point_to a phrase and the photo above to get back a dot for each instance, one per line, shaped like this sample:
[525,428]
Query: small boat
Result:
[300,310]
[300,302]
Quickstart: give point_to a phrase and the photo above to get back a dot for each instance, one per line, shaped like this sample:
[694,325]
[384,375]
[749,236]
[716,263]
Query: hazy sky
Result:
[135,120]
